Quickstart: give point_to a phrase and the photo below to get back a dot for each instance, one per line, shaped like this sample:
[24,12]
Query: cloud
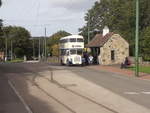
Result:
[54,14]
[72,5]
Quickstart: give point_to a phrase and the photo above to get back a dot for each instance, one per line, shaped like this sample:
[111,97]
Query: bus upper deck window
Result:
[72,39]
[79,40]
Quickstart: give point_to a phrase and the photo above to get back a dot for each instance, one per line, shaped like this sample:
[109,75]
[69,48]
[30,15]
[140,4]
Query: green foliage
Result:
[144,69]
[0,2]
[35,45]
[54,40]
[17,60]
[55,50]
[1,31]
[119,16]
[0,22]
[19,37]
[145,44]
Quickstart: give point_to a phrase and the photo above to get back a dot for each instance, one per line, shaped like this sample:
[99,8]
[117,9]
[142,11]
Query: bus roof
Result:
[72,36]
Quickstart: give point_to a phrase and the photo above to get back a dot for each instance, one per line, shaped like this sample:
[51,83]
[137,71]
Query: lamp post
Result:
[33,49]
[6,44]
[11,49]
[39,49]
[137,40]
[5,36]
[89,28]
[45,45]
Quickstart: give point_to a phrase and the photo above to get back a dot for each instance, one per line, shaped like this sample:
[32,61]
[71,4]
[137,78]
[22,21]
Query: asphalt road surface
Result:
[132,89]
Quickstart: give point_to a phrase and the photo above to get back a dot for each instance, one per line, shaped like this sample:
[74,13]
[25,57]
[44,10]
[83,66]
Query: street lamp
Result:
[6,36]
[89,28]
[39,49]
[45,45]
[33,49]
[137,40]
[11,49]
[11,44]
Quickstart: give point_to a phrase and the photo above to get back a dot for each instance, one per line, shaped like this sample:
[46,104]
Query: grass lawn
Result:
[17,60]
[144,69]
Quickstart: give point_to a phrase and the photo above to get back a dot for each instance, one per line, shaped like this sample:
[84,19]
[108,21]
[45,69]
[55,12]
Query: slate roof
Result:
[99,40]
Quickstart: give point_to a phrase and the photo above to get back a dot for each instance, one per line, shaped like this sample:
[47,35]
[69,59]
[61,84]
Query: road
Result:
[28,79]
[131,88]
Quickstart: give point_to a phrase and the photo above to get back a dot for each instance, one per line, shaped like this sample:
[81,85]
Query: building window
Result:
[112,55]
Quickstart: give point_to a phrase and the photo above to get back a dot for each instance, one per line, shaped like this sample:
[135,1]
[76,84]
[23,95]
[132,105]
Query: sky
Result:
[55,15]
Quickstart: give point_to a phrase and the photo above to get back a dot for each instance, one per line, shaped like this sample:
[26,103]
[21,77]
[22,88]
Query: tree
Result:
[98,16]
[1,37]
[1,33]
[20,38]
[53,41]
[55,50]
[119,16]
[145,44]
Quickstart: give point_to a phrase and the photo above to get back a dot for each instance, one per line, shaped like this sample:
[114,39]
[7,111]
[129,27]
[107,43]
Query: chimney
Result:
[105,30]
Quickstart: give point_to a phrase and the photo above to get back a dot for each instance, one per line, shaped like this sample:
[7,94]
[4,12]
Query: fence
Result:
[141,62]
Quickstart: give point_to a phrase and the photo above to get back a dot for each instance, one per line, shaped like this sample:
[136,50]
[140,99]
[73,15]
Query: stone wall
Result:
[1,55]
[120,48]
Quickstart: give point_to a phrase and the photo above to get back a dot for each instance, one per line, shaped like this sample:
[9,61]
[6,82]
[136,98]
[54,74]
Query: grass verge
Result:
[144,69]
[17,60]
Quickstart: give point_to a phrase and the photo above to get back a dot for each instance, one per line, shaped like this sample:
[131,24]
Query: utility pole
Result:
[11,49]
[39,49]
[6,47]
[5,35]
[45,45]
[33,49]
[137,40]
[89,28]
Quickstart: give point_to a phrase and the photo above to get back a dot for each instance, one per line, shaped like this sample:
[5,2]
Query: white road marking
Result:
[146,92]
[131,93]
[137,93]
[20,97]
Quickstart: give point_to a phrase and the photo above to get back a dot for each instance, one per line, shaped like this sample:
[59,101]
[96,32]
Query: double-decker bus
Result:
[71,50]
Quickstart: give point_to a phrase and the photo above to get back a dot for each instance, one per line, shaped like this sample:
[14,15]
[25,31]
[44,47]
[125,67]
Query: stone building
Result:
[109,48]
[1,56]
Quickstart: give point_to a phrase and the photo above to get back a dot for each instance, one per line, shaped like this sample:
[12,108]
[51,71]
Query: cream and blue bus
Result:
[71,50]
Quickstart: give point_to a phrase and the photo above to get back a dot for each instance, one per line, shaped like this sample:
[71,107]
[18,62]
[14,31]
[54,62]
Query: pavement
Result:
[118,70]
[59,89]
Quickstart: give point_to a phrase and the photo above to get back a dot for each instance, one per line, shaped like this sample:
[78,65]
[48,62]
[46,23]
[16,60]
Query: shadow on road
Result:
[16,73]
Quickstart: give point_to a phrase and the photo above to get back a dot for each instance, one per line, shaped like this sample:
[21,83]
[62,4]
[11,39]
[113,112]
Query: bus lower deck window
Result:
[73,51]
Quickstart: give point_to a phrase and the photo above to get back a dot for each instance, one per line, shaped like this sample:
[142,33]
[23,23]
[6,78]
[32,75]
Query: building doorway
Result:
[95,51]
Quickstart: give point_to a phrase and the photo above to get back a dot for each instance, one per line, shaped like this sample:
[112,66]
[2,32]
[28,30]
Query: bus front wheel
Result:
[68,63]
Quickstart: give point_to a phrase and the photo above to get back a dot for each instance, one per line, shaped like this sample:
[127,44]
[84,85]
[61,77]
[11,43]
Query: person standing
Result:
[86,57]
[90,59]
